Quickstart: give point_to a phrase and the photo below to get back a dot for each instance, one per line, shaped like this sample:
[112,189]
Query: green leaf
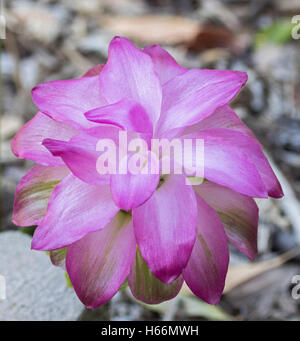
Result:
[191,307]
[124,285]
[194,307]
[69,283]
[28,229]
[278,33]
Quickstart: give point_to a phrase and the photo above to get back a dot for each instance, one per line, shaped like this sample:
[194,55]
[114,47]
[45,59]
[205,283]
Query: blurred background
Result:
[51,40]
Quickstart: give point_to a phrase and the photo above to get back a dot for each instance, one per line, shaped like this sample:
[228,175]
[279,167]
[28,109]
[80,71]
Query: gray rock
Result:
[35,289]
[8,64]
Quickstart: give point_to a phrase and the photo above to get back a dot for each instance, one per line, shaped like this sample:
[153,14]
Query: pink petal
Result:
[27,143]
[80,153]
[132,190]
[126,114]
[68,100]
[94,71]
[146,287]
[223,117]
[238,213]
[33,193]
[99,263]
[164,64]
[165,228]
[258,158]
[74,210]
[196,94]
[206,270]
[129,73]
[227,161]
[252,149]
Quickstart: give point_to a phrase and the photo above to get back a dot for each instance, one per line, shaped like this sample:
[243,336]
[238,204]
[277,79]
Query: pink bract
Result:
[157,234]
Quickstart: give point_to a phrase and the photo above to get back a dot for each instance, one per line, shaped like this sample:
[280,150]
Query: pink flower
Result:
[181,231]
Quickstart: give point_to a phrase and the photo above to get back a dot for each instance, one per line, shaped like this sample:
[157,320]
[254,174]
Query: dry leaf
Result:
[210,37]
[242,273]
[288,6]
[153,29]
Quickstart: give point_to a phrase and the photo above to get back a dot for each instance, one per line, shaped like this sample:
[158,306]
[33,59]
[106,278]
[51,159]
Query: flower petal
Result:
[223,117]
[236,143]
[68,100]
[227,160]
[206,270]
[254,153]
[94,71]
[146,287]
[80,153]
[74,210]
[164,64]
[33,193]
[196,94]
[99,263]
[165,228]
[27,143]
[238,213]
[129,73]
[126,114]
[132,190]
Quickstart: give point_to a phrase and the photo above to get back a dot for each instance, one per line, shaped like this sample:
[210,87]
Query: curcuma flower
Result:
[151,228]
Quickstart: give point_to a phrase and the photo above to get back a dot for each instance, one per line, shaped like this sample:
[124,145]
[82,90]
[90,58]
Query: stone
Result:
[35,289]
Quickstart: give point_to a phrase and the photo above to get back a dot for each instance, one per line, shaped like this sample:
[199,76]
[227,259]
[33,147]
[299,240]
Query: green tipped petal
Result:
[146,287]
[58,257]
[33,193]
